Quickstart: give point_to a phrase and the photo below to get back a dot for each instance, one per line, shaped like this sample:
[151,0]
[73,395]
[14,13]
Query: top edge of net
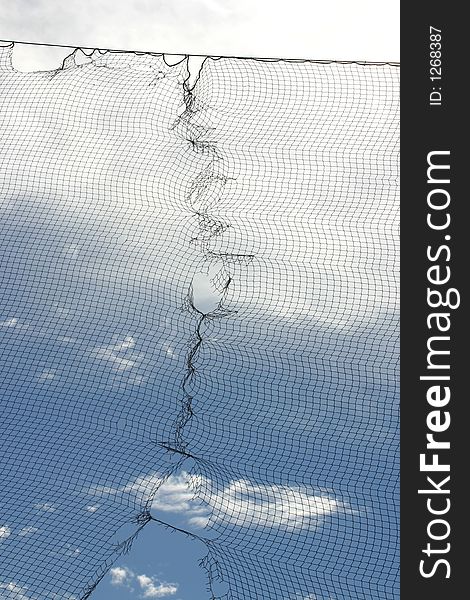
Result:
[212,56]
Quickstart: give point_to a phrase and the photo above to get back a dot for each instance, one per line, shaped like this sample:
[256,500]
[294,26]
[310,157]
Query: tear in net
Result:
[199,290]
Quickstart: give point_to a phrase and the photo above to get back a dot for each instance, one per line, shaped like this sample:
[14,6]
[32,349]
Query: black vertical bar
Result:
[433,119]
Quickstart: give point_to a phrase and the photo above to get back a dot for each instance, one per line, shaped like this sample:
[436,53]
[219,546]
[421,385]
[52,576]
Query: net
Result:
[199,300]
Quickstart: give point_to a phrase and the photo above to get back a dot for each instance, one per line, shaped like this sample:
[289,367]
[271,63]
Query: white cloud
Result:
[5,532]
[137,380]
[12,591]
[140,488]
[119,363]
[143,486]
[169,351]
[70,550]
[127,343]
[302,29]
[12,322]
[47,375]
[313,597]
[45,506]
[120,575]
[118,356]
[71,250]
[241,502]
[28,531]
[92,508]
[244,503]
[150,587]
[176,495]
[155,589]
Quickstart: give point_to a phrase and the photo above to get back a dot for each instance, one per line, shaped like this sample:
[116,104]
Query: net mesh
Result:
[199,300]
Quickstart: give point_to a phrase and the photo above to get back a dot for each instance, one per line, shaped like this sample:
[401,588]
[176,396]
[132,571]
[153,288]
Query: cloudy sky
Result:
[362,30]
[118,353]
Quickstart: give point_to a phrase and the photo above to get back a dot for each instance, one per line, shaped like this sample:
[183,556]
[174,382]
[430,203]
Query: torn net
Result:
[199,292]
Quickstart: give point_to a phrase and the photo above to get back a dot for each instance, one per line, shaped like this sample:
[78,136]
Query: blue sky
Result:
[168,558]
[96,331]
